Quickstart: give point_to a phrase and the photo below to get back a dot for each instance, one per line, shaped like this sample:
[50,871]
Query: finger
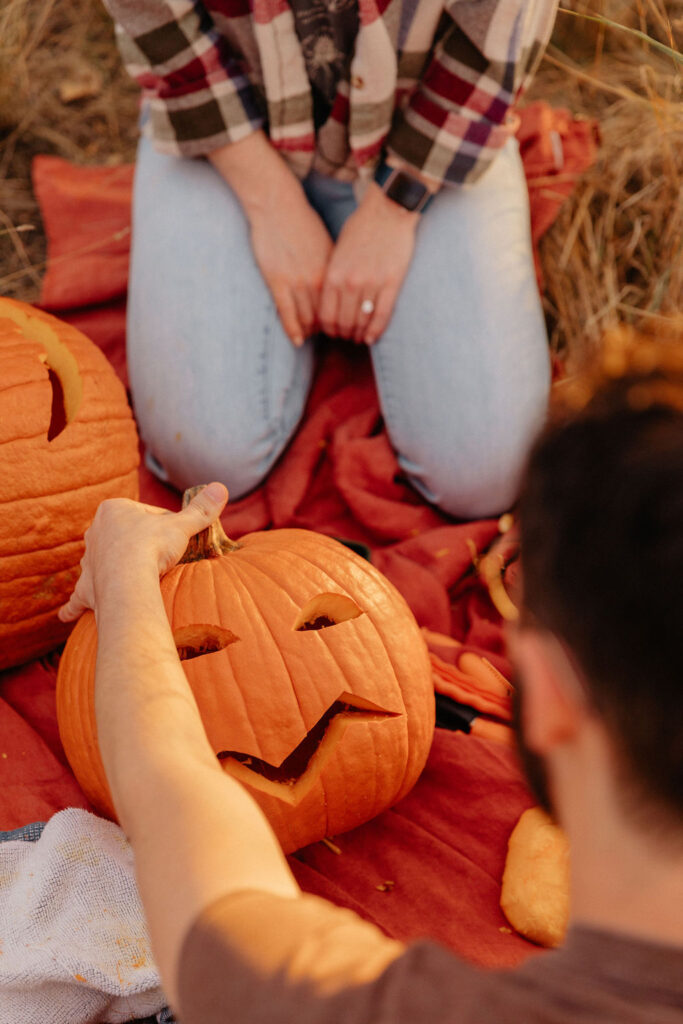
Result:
[205,507]
[363,318]
[349,311]
[73,609]
[384,307]
[289,318]
[315,293]
[305,310]
[327,309]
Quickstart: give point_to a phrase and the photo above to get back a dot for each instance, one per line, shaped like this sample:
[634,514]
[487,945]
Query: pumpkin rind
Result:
[264,691]
[50,489]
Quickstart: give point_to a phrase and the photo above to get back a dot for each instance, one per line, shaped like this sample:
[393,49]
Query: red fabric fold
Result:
[89,235]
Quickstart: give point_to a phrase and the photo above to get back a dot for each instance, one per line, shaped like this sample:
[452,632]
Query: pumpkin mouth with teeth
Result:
[310,674]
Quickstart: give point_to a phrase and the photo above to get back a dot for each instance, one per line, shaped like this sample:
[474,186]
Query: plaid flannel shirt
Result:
[430,83]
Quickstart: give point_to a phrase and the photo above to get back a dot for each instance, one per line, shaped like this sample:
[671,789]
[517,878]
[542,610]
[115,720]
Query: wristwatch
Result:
[403,188]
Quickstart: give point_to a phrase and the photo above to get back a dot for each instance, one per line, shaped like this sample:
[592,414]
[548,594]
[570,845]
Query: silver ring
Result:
[367,306]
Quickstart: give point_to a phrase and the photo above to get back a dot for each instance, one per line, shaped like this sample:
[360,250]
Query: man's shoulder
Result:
[277,960]
[597,976]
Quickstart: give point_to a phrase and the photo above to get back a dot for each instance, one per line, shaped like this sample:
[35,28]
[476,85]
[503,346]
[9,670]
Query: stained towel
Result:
[73,937]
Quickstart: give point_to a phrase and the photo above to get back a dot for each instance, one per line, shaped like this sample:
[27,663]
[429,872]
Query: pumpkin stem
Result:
[211,542]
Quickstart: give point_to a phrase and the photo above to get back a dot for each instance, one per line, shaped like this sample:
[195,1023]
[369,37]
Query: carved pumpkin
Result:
[311,676]
[67,441]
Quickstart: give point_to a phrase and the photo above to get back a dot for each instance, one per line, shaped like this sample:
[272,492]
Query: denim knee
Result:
[239,460]
[478,477]
[463,492]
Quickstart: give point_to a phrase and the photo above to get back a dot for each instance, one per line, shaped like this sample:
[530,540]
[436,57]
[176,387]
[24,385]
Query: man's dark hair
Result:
[601,518]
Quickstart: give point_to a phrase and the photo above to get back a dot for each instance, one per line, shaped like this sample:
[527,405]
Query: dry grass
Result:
[50,51]
[613,255]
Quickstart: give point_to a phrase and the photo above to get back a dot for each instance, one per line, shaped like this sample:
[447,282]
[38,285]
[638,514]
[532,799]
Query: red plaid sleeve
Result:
[458,116]
[195,86]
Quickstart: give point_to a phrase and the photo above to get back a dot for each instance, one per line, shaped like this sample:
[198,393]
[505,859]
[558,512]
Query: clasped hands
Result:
[346,289]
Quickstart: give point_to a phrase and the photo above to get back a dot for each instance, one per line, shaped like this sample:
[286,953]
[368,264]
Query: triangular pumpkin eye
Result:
[326,610]
[197,640]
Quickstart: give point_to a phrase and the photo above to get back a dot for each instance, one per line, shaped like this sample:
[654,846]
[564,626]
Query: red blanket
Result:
[432,865]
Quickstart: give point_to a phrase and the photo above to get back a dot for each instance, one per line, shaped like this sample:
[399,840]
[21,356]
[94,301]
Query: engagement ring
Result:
[367,306]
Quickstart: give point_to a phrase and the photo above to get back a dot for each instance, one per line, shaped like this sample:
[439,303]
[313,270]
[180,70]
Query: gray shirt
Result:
[256,958]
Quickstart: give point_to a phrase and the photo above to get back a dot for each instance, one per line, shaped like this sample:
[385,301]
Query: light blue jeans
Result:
[462,370]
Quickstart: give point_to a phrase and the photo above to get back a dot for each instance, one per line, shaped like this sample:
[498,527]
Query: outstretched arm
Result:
[196,834]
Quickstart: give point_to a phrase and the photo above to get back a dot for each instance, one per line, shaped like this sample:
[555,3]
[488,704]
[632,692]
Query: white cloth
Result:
[74,946]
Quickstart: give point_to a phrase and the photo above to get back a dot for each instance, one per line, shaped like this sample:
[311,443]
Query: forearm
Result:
[195,832]
[257,174]
[142,698]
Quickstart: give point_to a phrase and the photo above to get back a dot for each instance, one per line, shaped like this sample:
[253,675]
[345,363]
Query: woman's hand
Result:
[291,245]
[368,265]
[128,540]
[292,248]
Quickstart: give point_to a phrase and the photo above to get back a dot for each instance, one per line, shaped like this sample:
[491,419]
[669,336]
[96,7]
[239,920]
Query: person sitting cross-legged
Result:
[599,660]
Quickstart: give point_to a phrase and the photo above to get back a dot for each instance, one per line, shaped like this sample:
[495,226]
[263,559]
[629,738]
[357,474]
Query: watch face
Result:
[407,191]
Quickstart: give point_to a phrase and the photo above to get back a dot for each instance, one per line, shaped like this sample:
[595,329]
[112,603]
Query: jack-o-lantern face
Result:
[293,771]
[310,674]
[67,442]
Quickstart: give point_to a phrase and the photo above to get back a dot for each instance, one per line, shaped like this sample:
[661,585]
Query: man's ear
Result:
[554,702]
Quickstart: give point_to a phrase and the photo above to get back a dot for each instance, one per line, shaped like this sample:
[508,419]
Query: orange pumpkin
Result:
[310,673]
[67,441]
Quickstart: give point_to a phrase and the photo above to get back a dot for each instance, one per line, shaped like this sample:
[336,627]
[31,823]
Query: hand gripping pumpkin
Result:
[311,676]
[67,441]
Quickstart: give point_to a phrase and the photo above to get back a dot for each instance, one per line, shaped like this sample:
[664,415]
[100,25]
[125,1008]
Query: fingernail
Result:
[215,492]
[298,341]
